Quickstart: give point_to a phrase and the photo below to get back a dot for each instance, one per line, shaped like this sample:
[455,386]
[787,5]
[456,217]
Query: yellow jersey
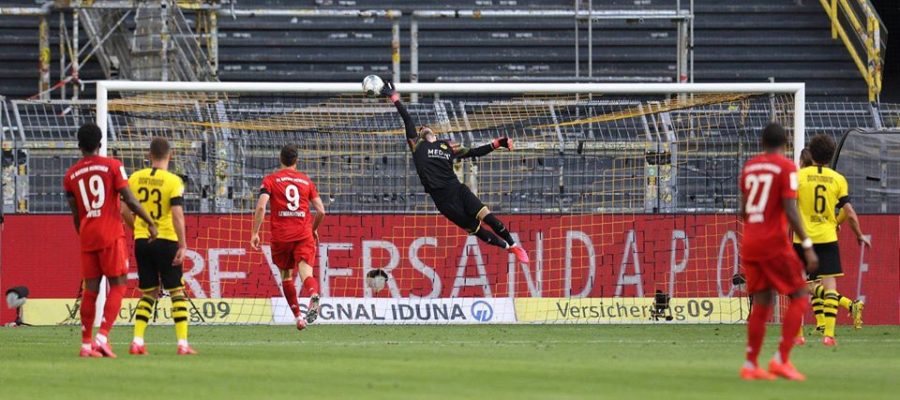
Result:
[820,194]
[157,190]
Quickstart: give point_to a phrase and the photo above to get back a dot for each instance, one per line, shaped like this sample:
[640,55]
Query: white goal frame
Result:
[106,86]
[797,89]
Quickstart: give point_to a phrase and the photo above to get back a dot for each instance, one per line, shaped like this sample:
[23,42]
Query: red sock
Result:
[793,318]
[756,331]
[311,285]
[88,310]
[290,294]
[111,308]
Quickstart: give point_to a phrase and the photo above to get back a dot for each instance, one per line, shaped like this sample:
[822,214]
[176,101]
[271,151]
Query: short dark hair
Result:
[773,136]
[159,148]
[821,148]
[89,137]
[289,154]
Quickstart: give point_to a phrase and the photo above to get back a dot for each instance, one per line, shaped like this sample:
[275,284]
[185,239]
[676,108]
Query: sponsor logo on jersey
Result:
[292,179]
[298,214]
[84,170]
[150,181]
[435,153]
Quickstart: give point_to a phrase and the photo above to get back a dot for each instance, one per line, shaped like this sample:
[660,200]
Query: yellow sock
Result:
[819,291]
[818,305]
[845,302]
[830,311]
[142,315]
[180,316]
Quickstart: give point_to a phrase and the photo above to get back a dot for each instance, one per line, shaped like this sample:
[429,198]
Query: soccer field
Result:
[439,362]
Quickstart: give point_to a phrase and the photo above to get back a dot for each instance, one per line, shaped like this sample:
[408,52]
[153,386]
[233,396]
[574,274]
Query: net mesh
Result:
[620,201]
[615,198]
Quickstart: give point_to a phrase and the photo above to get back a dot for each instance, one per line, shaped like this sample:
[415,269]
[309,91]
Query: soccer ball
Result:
[376,279]
[372,85]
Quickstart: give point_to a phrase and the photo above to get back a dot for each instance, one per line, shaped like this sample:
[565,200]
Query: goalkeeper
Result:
[434,164]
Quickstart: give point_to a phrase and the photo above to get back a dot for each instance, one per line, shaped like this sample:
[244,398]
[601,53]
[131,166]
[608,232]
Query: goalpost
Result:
[624,195]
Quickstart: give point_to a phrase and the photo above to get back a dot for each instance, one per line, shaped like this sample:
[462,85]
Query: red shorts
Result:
[784,273]
[286,255]
[109,262]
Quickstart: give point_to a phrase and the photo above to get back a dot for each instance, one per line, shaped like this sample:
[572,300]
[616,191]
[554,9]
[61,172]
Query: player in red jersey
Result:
[93,187]
[294,236]
[768,186]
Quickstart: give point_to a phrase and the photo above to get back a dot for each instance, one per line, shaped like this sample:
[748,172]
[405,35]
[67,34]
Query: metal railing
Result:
[867,35]
[681,18]
[38,144]
[109,49]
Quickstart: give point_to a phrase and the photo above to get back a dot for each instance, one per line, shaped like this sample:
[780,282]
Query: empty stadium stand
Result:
[739,41]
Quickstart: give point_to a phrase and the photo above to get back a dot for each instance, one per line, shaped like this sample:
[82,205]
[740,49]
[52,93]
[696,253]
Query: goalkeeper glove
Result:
[502,142]
[388,90]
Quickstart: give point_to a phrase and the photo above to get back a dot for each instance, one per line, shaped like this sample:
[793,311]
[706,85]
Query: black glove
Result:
[502,142]
[388,89]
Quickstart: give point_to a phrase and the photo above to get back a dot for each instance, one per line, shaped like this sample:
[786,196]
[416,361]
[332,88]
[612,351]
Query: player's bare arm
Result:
[127,215]
[841,218]
[178,223]
[73,208]
[853,220]
[794,220]
[258,216]
[320,216]
[135,207]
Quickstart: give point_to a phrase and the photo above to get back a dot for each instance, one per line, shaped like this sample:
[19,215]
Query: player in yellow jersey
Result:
[822,195]
[160,261]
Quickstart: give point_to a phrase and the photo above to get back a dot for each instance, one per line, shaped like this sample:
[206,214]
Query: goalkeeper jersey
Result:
[434,160]
[434,165]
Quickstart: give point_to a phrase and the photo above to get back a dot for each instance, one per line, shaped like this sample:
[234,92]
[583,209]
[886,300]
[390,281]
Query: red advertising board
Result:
[572,255]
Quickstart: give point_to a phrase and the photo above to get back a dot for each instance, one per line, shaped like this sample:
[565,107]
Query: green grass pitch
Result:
[441,362]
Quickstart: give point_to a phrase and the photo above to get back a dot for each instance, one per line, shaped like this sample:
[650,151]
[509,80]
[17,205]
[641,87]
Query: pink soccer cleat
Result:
[756,374]
[786,371]
[301,324]
[799,341]
[138,350]
[186,350]
[104,348]
[521,254]
[89,352]
[829,341]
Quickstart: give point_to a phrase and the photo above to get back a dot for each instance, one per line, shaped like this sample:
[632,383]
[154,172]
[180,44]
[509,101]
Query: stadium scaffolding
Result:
[208,13]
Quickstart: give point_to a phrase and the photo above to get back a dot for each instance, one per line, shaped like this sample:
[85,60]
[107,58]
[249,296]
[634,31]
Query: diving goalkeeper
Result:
[434,164]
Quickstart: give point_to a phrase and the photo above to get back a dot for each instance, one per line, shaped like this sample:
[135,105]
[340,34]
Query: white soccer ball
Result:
[372,85]
[376,279]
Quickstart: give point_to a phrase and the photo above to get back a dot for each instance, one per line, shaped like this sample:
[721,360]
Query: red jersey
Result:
[765,180]
[94,182]
[290,192]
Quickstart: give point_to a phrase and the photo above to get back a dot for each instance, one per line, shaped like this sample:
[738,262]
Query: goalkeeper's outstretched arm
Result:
[465,152]
[412,135]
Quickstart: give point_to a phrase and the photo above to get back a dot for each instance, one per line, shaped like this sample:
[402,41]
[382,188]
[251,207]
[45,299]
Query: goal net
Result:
[624,196]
